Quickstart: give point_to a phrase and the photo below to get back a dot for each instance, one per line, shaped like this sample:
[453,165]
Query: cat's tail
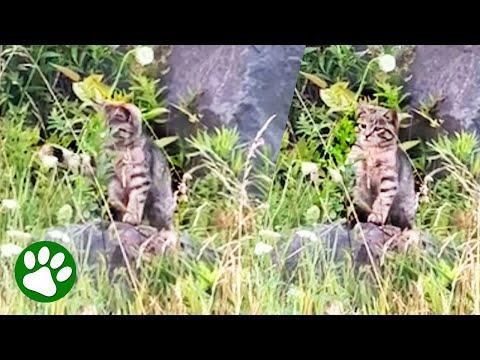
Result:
[69,160]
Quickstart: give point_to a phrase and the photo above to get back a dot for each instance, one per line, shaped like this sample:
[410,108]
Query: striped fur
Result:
[384,189]
[140,185]
[67,159]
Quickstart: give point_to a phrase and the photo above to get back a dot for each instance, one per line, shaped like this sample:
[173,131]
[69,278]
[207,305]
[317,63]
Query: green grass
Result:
[218,212]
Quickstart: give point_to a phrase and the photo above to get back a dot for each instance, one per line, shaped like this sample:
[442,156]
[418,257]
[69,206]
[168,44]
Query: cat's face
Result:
[123,120]
[376,125]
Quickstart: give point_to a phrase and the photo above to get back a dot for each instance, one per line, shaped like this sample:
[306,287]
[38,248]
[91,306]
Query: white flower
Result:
[428,179]
[9,250]
[306,234]
[59,235]
[187,177]
[334,308]
[386,62]
[262,249]
[10,204]
[48,161]
[295,292]
[269,235]
[19,235]
[309,168]
[144,55]
[336,176]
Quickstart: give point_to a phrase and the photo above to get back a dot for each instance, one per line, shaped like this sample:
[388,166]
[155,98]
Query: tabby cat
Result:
[141,182]
[139,186]
[384,190]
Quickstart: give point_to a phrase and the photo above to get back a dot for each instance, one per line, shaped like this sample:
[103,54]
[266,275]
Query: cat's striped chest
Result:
[129,163]
[379,163]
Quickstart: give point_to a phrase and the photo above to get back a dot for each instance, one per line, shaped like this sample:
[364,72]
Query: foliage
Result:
[310,184]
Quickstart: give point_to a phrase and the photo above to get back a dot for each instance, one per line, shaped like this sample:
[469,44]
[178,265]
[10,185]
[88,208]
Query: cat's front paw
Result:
[375,218]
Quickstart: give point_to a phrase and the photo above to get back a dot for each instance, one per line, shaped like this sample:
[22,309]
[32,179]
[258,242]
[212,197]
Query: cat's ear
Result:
[135,113]
[361,109]
[394,117]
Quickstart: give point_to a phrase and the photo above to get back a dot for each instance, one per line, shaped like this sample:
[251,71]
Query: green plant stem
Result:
[119,73]
[364,77]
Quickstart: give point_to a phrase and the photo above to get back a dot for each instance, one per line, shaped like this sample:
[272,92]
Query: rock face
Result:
[234,85]
[95,241]
[451,72]
[331,243]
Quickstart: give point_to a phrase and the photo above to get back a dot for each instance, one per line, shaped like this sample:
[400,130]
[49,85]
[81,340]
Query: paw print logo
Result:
[45,271]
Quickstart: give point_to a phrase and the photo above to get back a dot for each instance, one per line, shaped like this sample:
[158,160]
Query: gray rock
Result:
[331,244]
[95,242]
[90,243]
[451,72]
[332,240]
[321,244]
[235,85]
[87,242]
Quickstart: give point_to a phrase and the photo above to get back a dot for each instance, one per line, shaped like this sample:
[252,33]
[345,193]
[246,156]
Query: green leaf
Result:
[122,96]
[69,73]
[402,116]
[206,276]
[80,92]
[407,145]
[404,119]
[193,118]
[74,54]
[315,79]
[476,165]
[338,97]
[163,142]
[91,88]
[50,54]
[313,214]
[152,114]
